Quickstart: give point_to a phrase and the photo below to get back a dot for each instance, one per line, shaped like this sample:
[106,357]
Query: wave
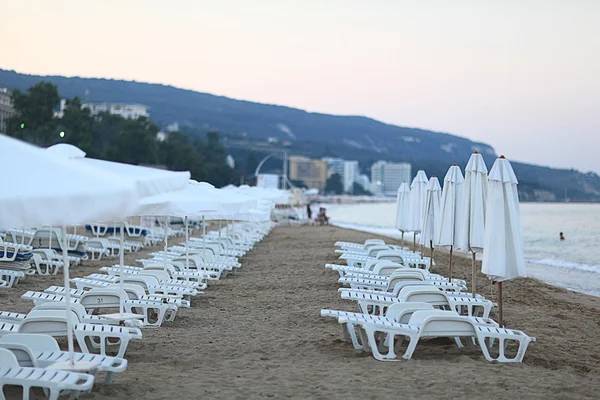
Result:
[568,265]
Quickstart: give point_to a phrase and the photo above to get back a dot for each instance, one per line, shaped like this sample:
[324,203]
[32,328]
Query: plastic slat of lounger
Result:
[7,327]
[108,364]
[103,278]
[83,283]
[54,380]
[60,290]
[177,290]
[40,297]
[11,317]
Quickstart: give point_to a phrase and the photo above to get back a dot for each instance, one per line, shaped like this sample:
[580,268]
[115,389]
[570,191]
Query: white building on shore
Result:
[347,170]
[386,177]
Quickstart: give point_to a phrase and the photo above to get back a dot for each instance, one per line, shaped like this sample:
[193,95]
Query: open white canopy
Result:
[40,189]
[148,181]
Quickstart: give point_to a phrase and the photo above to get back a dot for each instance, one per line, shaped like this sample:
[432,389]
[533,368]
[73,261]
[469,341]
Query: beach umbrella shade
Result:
[472,222]
[503,257]
[48,189]
[418,189]
[431,214]
[403,209]
[148,181]
[450,207]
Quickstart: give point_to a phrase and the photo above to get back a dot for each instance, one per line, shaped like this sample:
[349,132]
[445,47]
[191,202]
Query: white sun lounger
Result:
[41,351]
[440,323]
[51,380]
[376,304]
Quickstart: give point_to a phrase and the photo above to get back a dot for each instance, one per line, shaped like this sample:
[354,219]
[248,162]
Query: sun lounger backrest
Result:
[8,359]
[160,274]
[374,250]
[35,342]
[404,276]
[160,267]
[134,291]
[24,354]
[401,312]
[373,242]
[141,279]
[392,255]
[76,308]
[435,323]
[389,269]
[101,298]
[49,322]
[407,271]
[424,293]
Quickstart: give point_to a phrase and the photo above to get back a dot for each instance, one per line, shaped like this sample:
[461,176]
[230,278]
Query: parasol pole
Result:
[431,257]
[473,273]
[166,241]
[121,267]
[450,272]
[203,239]
[67,294]
[187,250]
[500,308]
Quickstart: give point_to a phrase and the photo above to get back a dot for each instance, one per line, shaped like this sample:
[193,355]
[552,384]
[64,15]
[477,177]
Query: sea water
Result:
[573,263]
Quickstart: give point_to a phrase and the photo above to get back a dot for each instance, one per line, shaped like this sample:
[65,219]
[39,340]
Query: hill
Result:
[353,137]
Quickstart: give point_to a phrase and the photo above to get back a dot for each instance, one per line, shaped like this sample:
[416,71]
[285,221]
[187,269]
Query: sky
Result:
[520,75]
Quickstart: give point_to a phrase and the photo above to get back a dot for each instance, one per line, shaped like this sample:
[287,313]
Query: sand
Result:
[259,334]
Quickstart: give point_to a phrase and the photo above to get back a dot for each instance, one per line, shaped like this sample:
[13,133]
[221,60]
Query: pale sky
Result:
[520,75]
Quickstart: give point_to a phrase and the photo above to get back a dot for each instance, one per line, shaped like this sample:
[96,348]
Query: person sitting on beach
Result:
[561,236]
[322,218]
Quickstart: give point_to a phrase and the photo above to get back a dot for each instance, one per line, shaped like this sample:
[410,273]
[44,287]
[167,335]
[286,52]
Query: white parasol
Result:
[503,258]
[472,221]
[450,208]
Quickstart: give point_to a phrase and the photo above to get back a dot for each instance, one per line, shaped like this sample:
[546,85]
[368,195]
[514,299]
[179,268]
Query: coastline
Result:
[258,333]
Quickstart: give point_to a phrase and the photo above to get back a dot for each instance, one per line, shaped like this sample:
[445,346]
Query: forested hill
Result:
[312,134]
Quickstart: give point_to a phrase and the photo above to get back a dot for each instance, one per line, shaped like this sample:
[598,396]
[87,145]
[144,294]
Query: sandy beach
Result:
[258,334]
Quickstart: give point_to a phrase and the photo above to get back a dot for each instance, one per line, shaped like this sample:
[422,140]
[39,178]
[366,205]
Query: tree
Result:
[34,113]
[359,190]
[76,126]
[334,184]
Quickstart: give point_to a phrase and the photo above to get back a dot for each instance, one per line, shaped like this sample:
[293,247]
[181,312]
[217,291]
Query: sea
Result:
[573,263]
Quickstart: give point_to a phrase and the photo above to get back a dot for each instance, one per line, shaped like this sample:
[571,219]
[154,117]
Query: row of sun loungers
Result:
[400,301]
[153,293]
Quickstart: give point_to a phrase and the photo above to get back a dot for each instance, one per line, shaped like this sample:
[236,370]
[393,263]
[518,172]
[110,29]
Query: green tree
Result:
[77,125]
[33,120]
[334,184]
[359,190]
[135,142]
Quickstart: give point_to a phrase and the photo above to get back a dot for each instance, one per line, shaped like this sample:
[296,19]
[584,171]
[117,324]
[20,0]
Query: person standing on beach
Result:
[308,211]
[561,236]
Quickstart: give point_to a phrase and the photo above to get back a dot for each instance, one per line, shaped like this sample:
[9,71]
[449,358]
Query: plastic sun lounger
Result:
[52,380]
[42,351]
[377,304]
[439,323]
[153,312]
[97,336]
